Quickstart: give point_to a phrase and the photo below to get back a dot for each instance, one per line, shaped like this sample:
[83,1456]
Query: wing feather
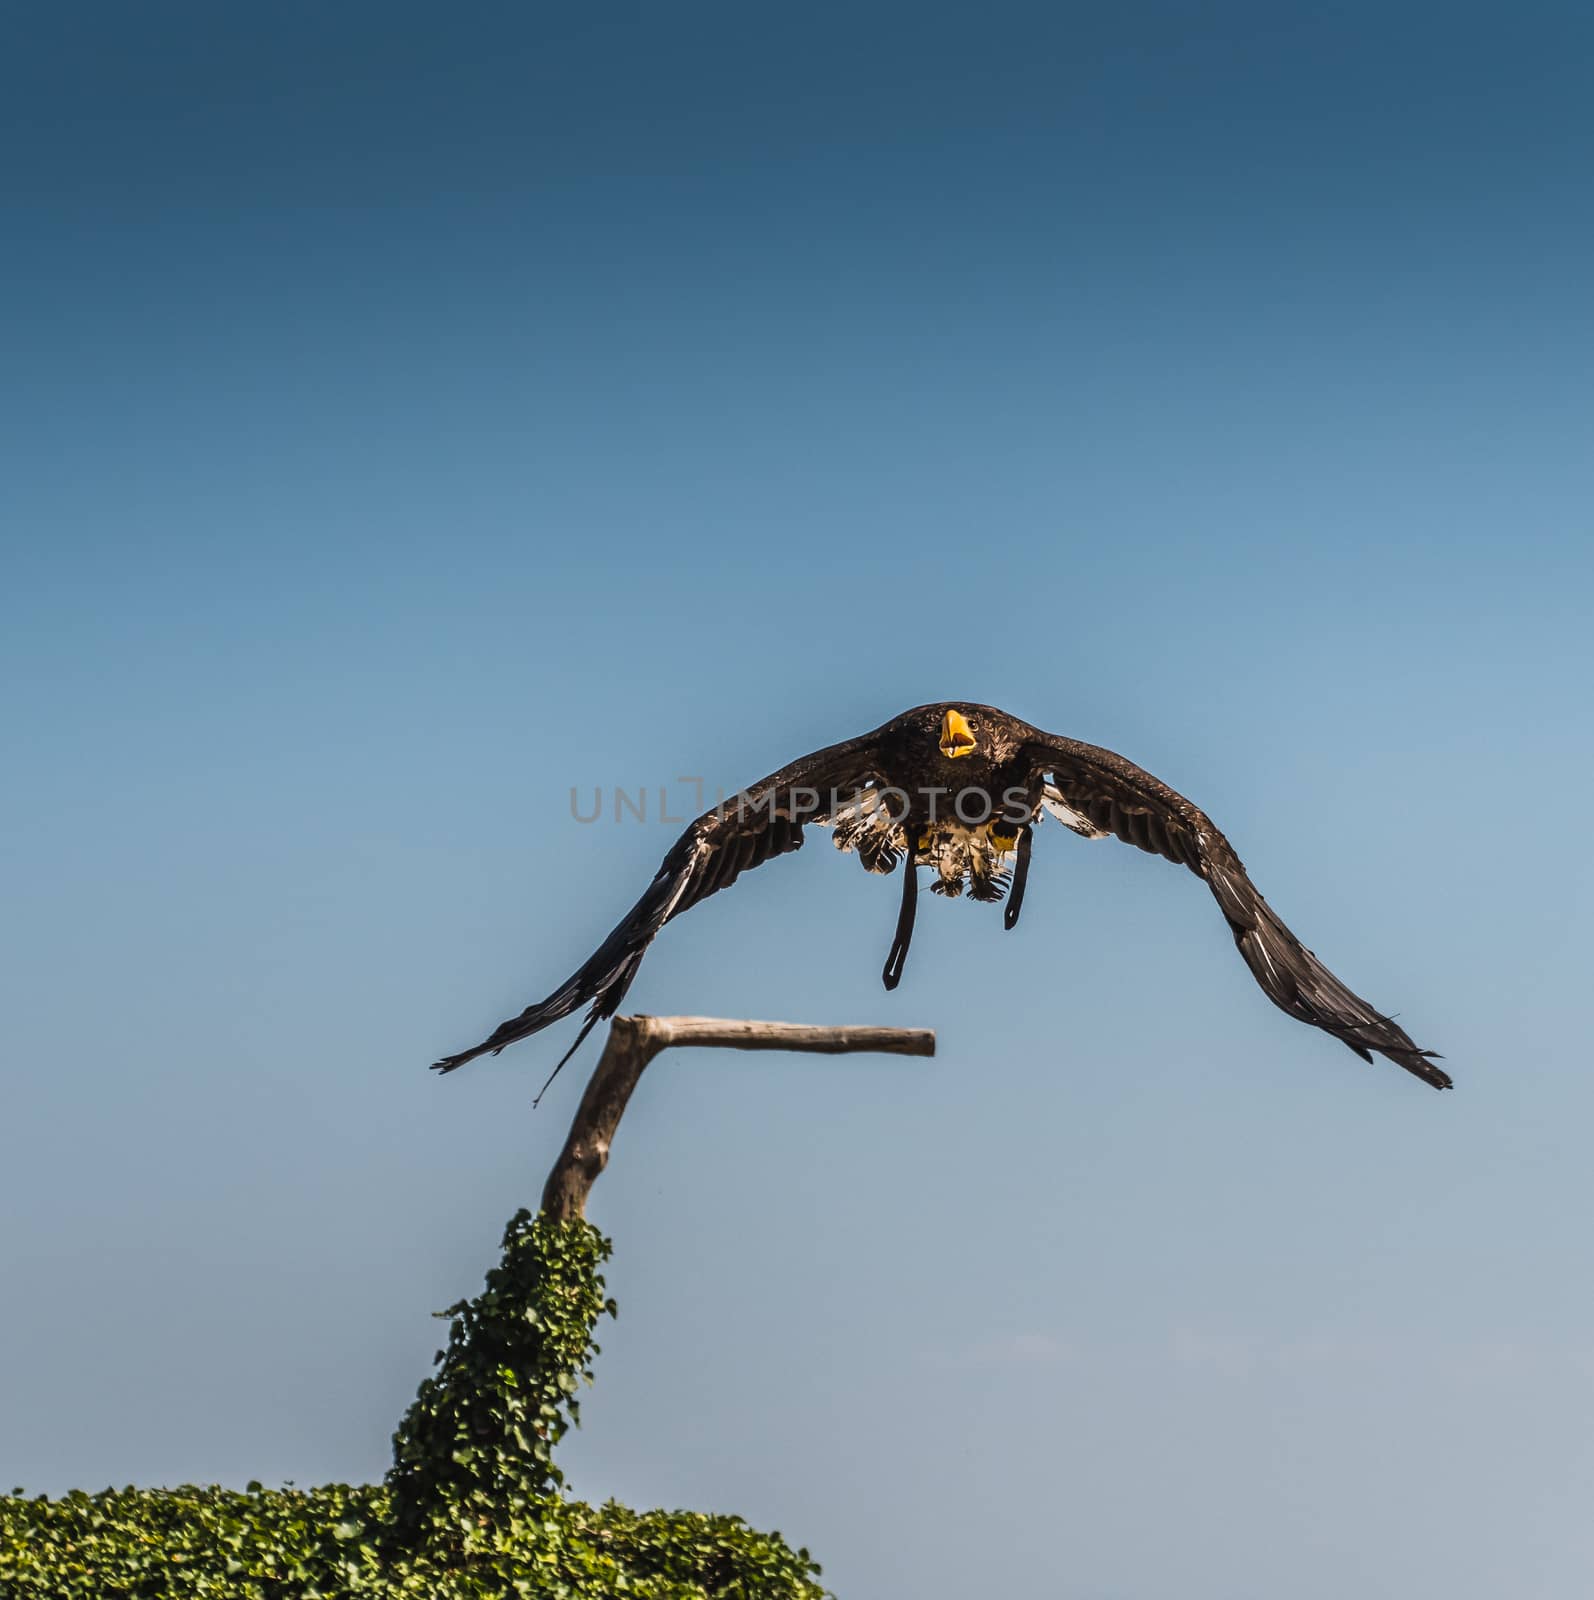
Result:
[741,833]
[1117,796]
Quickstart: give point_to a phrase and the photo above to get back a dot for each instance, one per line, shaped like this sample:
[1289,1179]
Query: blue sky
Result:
[410,415]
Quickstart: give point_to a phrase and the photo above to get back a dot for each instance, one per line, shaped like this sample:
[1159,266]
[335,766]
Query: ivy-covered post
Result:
[474,1453]
[473,1457]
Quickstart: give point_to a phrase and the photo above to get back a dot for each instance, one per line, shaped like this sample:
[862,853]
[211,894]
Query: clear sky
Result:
[409,413]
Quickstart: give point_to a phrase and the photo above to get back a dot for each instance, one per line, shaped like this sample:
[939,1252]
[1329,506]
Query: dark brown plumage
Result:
[961,788]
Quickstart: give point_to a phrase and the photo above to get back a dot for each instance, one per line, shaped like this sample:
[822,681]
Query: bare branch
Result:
[632,1044]
[714,1032]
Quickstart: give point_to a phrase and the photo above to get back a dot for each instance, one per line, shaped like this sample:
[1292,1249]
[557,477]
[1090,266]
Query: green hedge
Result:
[471,1507]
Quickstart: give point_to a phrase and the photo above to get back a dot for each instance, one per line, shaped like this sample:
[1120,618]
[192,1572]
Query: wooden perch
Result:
[632,1044]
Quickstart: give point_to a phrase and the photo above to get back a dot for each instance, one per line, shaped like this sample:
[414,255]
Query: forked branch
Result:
[632,1044]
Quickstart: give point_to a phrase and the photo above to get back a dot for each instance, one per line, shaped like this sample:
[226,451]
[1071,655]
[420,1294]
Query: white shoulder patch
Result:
[1053,801]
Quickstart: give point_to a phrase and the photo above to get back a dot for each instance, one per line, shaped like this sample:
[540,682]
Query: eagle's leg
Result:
[1015,895]
[892,975]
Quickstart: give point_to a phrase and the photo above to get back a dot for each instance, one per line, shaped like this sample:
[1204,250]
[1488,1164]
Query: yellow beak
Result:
[957,737]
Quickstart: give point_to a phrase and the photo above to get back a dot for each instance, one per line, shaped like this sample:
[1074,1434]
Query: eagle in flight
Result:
[960,789]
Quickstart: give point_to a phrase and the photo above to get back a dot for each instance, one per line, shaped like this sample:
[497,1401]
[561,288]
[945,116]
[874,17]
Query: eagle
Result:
[959,789]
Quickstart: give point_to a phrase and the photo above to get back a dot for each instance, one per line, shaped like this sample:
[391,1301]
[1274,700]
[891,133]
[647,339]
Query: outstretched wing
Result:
[740,833]
[1107,794]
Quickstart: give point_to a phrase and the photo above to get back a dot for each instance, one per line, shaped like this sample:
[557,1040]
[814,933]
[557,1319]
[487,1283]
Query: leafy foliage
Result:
[471,1508]
[477,1445]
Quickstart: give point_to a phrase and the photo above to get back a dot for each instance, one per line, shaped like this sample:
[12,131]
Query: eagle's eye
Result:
[957,737]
